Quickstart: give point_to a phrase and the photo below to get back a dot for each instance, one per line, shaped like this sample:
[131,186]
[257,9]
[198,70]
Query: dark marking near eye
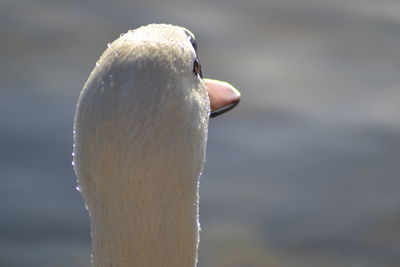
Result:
[197,68]
[194,44]
[196,63]
[192,40]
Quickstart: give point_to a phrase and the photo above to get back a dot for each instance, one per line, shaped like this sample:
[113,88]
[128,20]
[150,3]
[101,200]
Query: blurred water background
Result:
[304,172]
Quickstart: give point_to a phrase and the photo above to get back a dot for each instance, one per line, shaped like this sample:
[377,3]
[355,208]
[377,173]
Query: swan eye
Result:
[196,63]
[197,68]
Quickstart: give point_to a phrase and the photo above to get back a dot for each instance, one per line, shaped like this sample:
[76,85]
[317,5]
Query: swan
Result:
[140,135]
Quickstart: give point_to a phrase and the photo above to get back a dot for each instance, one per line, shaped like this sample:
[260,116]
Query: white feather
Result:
[140,140]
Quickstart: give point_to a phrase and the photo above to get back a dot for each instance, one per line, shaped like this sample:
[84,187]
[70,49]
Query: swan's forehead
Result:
[168,36]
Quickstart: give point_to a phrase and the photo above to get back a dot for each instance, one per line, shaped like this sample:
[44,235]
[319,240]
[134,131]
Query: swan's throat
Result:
[149,221]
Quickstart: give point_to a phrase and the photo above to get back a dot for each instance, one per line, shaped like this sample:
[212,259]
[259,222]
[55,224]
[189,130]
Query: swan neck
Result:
[154,227]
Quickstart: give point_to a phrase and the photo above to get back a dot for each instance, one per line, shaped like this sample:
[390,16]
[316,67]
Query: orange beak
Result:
[223,96]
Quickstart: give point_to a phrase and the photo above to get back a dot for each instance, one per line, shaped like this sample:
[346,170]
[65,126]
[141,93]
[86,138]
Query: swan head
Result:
[145,96]
[140,136]
[222,96]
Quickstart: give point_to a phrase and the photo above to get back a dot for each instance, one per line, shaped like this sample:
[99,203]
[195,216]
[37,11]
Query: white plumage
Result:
[140,141]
